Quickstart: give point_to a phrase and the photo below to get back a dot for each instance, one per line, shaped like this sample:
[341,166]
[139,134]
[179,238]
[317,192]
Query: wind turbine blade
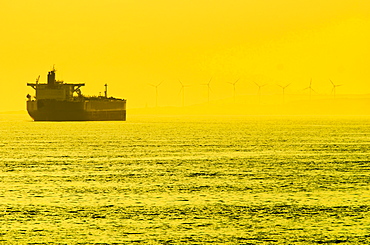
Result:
[236,81]
[332,82]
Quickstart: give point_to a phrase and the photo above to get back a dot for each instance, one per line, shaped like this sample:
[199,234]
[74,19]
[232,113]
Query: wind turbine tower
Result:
[333,91]
[234,85]
[310,88]
[259,89]
[283,88]
[182,90]
[156,92]
[209,87]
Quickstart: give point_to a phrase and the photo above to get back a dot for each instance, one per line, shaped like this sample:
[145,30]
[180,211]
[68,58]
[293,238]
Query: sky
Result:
[132,45]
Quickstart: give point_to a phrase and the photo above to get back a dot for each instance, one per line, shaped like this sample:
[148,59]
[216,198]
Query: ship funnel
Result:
[51,77]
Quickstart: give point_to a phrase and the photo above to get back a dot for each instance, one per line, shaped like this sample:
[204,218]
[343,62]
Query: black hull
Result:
[76,111]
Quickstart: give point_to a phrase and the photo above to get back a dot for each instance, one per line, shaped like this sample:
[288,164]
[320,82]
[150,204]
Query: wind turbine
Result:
[234,85]
[259,89]
[156,92]
[310,88]
[183,92]
[284,87]
[334,87]
[209,87]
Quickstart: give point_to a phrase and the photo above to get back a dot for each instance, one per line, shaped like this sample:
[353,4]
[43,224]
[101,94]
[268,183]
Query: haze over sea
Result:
[186,179]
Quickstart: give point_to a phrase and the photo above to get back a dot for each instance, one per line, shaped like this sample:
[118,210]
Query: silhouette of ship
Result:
[59,101]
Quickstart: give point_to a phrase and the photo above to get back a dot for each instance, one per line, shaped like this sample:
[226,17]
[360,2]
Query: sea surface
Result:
[185,180]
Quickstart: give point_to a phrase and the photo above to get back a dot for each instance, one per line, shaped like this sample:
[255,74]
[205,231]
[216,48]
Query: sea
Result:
[186,180]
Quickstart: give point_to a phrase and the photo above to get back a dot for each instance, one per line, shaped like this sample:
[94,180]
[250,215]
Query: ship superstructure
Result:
[59,101]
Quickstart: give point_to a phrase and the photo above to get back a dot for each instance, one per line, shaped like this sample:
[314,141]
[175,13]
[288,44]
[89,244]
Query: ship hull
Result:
[52,110]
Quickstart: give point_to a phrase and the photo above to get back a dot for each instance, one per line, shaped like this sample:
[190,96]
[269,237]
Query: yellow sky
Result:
[130,44]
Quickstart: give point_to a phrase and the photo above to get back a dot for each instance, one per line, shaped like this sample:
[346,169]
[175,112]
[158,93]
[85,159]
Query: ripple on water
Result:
[230,180]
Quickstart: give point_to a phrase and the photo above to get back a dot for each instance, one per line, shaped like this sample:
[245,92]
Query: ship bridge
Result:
[55,90]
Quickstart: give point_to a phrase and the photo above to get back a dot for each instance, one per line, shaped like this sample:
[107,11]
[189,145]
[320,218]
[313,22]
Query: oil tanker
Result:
[59,101]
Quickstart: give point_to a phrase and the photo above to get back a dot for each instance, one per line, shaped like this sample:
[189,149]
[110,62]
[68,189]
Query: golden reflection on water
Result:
[173,180]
